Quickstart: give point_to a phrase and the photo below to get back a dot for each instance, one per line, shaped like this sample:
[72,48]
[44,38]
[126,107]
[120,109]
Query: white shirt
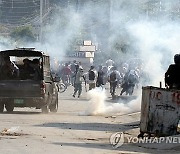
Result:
[109,62]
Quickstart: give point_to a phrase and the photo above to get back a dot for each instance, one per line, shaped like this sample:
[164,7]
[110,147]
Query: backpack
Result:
[113,76]
[131,78]
[73,67]
[91,75]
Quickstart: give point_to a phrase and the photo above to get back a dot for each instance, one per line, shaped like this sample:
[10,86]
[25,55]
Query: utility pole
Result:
[41,22]
[160,6]
[77,5]
[12,4]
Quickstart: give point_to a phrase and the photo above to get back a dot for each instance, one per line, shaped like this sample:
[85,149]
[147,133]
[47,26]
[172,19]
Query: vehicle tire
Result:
[54,107]
[61,87]
[1,107]
[44,109]
[9,107]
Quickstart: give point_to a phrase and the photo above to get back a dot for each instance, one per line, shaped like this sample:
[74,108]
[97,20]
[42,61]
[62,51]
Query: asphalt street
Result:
[67,131]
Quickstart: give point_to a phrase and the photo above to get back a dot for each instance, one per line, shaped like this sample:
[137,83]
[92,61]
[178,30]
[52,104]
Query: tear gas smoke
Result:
[157,44]
[97,105]
[154,40]
[150,36]
[148,39]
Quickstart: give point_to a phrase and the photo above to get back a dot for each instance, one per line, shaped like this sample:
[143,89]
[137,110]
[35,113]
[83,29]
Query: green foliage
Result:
[3,29]
[23,34]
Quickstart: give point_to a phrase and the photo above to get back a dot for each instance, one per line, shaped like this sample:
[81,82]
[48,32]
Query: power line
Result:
[21,2]
[11,12]
[19,7]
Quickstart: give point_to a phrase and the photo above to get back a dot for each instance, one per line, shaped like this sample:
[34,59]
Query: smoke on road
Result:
[97,104]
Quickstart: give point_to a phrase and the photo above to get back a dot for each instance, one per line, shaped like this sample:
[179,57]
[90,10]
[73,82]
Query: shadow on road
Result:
[86,145]
[93,126]
[118,99]
[126,148]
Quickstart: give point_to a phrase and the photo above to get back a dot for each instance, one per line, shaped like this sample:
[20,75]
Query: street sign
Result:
[91,48]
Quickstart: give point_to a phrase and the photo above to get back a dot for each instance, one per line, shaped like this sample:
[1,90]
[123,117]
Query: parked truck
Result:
[26,80]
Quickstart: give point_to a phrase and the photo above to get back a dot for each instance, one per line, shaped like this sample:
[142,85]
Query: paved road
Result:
[66,131]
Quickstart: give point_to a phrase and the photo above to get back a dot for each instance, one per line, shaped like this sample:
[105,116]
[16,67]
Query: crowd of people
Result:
[125,77]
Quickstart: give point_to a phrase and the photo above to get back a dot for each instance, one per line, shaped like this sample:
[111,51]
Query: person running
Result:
[79,77]
[73,67]
[114,77]
[92,77]
[100,77]
[66,74]
[130,80]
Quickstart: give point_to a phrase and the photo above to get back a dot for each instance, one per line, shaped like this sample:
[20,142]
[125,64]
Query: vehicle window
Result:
[21,68]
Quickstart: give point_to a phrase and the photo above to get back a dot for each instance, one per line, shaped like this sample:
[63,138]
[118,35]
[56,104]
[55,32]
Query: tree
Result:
[23,34]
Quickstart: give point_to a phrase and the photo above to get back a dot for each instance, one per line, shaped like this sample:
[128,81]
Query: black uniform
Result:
[172,76]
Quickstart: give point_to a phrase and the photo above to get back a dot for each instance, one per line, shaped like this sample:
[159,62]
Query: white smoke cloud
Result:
[154,41]
[157,44]
[152,38]
[97,104]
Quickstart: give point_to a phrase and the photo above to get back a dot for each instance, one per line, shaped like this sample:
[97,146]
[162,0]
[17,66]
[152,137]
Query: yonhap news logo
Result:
[118,139]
